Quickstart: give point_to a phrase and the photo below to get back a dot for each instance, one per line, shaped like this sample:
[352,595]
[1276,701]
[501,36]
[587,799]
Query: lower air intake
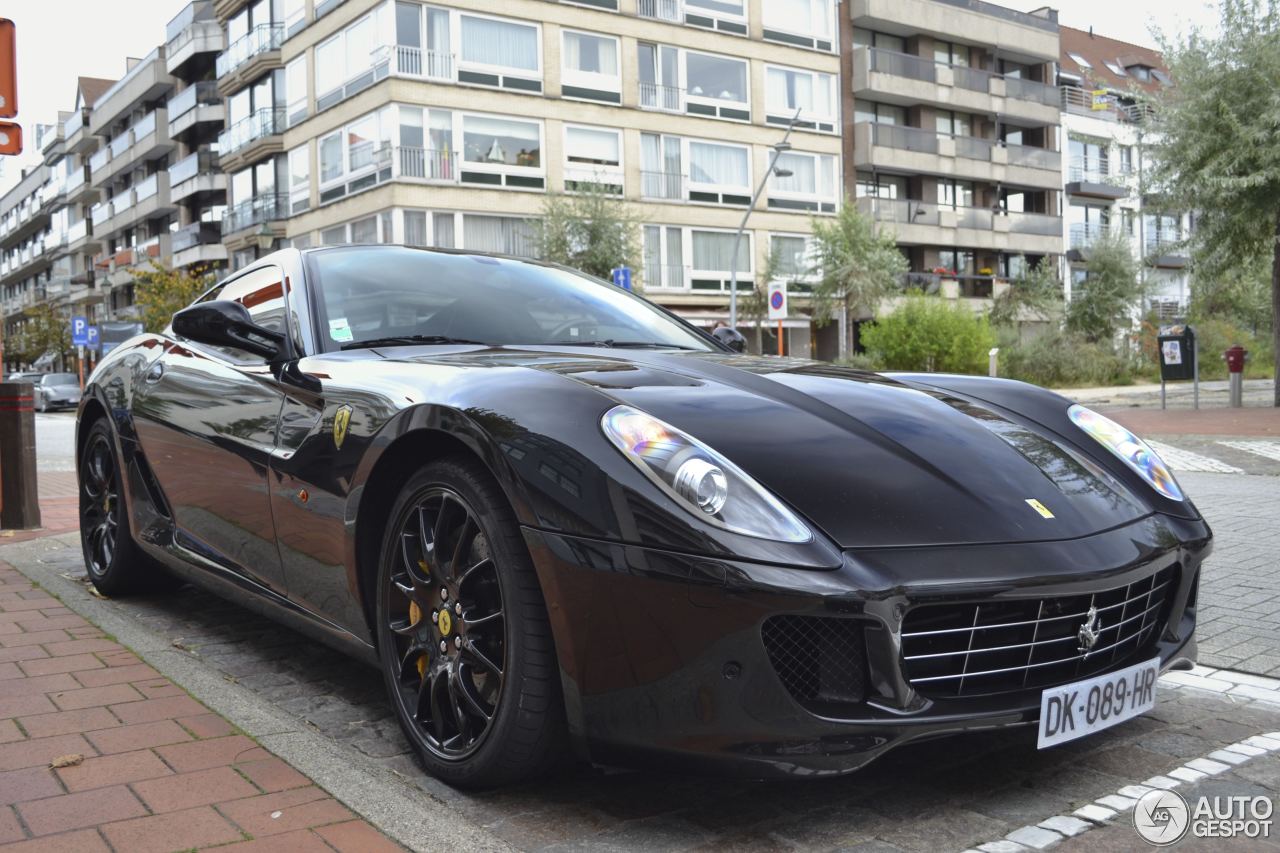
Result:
[821,660]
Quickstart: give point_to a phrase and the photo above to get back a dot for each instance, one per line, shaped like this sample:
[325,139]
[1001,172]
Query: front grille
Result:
[820,659]
[980,648]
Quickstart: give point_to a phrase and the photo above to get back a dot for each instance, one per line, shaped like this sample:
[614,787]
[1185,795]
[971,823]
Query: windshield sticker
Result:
[340,331]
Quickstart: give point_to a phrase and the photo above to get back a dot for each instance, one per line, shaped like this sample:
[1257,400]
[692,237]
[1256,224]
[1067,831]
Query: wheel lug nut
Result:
[457,608]
[444,594]
[435,616]
[457,642]
[444,647]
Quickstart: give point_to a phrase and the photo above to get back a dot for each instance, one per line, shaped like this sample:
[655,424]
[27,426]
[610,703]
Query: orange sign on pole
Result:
[8,69]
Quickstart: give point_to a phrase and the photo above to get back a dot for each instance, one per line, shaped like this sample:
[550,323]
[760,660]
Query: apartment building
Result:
[953,143]
[448,124]
[1103,82]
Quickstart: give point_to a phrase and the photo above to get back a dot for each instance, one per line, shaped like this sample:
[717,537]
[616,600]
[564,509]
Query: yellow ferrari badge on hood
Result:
[341,420]
[1039,507]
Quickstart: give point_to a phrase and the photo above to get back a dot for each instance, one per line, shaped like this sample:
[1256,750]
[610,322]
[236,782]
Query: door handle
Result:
[156,371]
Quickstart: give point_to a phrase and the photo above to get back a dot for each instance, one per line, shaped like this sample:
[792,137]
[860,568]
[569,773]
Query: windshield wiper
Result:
[610,343]
[408,340]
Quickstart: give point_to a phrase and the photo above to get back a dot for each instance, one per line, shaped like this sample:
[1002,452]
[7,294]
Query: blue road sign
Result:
[622,277]
[79,331]
[91,337]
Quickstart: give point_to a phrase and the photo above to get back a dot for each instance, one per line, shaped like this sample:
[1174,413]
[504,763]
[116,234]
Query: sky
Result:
[60,40]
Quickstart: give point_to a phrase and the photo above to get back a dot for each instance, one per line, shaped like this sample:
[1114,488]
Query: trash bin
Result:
[1177,353]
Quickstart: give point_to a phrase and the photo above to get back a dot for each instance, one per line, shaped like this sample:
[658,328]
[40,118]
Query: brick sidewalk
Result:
[1217,421]
[150,768]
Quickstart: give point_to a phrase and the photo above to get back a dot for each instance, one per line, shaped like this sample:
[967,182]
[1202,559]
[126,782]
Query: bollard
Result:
[19,504]
[1235,358]
[992,362]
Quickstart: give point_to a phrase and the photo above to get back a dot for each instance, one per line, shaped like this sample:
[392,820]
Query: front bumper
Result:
[662,657]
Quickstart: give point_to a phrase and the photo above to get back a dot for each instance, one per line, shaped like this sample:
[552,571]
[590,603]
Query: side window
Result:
[262,292]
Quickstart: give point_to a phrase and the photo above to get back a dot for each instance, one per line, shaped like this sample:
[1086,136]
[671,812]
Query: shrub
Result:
[1213,336]
[1059,359]
[860,361]
[927,333]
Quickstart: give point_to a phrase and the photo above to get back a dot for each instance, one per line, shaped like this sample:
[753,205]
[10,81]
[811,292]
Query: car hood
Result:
[870,460]
[62,389]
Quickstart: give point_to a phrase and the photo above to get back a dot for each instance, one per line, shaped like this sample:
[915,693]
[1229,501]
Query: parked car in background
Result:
[32,376]
[57,391]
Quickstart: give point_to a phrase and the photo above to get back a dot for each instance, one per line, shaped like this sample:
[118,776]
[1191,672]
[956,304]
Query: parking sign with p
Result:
[79,331]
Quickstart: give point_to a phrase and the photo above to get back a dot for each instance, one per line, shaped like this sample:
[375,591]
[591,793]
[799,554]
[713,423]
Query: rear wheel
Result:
[466,650]
[115,563]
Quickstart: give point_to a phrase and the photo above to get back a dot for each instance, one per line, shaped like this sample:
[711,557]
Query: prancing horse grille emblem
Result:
[1089,631]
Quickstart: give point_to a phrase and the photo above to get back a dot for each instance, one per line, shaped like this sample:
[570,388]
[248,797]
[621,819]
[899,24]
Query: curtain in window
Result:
[443,225]
[713,250]
[789,90]
[724,7]
[589,145]
[789,254]
[415,228]
[361,39]
[331,157]
[501,43]
[334,236]
[364,230]
[803,178]
[589,53]
[506,235]
[723,165]
[799,16]
[716,77]
[329,66]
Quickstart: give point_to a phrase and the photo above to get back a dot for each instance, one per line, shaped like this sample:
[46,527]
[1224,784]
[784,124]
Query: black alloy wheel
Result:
[463,634]
[99,504]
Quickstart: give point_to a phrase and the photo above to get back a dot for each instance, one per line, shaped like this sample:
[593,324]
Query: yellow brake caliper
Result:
[415,615]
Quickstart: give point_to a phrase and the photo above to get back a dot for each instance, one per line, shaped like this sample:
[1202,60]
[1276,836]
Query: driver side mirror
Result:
[223,323]
[731,338]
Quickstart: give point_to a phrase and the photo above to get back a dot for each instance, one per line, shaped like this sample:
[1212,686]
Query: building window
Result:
[717,85]
[664,258]
[497,52]
[953,123]
[295,87]
[299,179]
[954,194]
[501,146]
[806,23]
[504,235]
[880,186]
[365,230]
[711,253]
[590,67]
[719,173]
[593,155]
[810,186]
[870,111]
[356,157]
[1080,60]
[949,53]
[1089,161]
[295,16]
[661,173]
[725,15]
[811,93]
[792,257]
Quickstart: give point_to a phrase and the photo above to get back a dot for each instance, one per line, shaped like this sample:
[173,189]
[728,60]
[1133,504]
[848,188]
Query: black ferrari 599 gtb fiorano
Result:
[564,522]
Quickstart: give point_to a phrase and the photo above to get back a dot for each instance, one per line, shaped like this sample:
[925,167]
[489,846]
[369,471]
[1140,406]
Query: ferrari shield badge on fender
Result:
[1031,502]
[341,420]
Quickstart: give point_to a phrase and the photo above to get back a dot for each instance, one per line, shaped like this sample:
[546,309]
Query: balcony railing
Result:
[903,64]
[100,158]
[899,210]
[656,96]
[74,122]
[913,212]
[1036,158]
[419,63]
[264,122]
[121,143]
[662,10]
[196,234]
[1031,90]
[421,163]
[202,93]
[667,185]
[1040,224]
[904,138]
[254,211]
[145,126]
[1083,234]
[975,79]
[75,179]
[1163,243]
[78,230]
[665,275]
[1104,106]
[261,39]
[137,69]
[100,213]
[122,201]
[973,148]
[1093,172]
[192,165]
[147,188]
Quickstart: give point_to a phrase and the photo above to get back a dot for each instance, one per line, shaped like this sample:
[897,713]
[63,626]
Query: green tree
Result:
[160,292]
[47,330]
[1035,294]
[1101,307]
[857,267]
[1216,149]
[590,229]
[1240,294]
[933,334]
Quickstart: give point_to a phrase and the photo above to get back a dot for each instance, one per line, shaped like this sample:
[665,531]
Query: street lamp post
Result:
[778,148]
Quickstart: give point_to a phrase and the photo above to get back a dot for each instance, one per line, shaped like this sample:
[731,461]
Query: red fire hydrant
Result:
[1235,357]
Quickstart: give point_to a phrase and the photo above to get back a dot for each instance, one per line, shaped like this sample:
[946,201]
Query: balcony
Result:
[198,104]
[1166,251]
[930,224]
[78,235]
[972,21]
[146,81]
[151,136]
[885,75]
[75,132]
[151,197]
[248,56]
[661,10]
[195,174]
[100,214]
[1094,178]
[192,31]
[1105,106]
[916,150]
[419,64]
[255,211]
[656,96]
[395,163]
[199,243]
[98,164]
[667,186]
[255,135]
[1082,235]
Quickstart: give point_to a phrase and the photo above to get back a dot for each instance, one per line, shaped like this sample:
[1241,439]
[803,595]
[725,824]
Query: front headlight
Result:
[1133,450]
[699,479]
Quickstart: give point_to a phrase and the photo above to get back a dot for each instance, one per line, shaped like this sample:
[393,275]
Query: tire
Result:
[501,666]
[42,406]
[116,565]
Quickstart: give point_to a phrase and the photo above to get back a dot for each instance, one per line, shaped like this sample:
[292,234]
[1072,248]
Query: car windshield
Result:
[366,294]
[61,379]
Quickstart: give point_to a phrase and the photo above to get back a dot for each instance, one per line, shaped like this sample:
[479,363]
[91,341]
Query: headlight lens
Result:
[1133,450]
[704,482]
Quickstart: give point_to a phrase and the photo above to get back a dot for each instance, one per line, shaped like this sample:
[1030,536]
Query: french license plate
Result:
[1085,707]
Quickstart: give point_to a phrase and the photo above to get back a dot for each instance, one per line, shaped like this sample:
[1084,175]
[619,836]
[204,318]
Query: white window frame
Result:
[455,35]
[590,79]
[745,277]
[821,195]
[662,283]
[376,163]
[296,103]
[459,135]
[606,174]
[692,185]
[299,196]
[718,15]
[829,13]
[830,117]
[810,248]
[712,101]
